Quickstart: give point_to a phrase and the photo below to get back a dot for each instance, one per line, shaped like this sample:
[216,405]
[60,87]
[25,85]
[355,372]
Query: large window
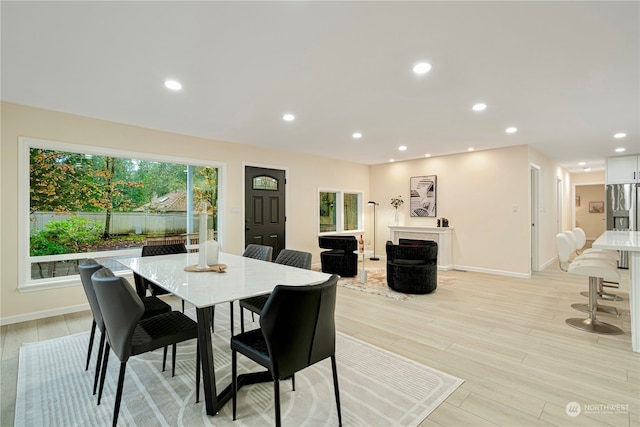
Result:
[339,211]
[82,202]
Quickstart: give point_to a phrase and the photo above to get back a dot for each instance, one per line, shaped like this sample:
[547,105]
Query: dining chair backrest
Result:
[294,258]
[87,268]
[154,250]
[174,248]
[261,252]
[121,309]
[298,324]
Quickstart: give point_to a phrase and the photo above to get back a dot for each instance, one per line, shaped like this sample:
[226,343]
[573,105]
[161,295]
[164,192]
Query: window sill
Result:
[341,233]
[63,282]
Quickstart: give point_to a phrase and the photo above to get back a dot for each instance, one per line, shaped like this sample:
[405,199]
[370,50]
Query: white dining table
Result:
[243,277]
[627,241]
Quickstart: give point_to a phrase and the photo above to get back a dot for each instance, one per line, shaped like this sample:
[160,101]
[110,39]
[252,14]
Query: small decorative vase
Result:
[396,219]
[212,251]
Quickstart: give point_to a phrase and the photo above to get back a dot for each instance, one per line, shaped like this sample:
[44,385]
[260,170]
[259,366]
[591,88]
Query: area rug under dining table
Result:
[377,388]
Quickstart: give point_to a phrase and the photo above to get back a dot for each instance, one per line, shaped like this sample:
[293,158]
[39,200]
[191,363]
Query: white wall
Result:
[484,195]
[305,174]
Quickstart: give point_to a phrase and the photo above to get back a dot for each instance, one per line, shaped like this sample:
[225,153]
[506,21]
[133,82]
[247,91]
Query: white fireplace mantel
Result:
[442,235]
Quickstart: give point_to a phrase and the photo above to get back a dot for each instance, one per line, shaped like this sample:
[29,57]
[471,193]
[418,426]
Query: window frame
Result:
[340,212]
[25,282]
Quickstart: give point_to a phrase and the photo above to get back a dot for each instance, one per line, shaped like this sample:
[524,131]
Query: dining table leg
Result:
[206,357]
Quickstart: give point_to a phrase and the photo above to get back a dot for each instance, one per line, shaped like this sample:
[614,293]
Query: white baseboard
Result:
[548,263]
[492,271]
[8,320]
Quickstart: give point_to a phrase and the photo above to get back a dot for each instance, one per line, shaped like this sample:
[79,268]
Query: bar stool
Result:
[565,246]
[596,270]
[581,240]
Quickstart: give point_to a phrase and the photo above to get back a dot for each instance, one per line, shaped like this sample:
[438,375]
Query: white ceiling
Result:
[566,74]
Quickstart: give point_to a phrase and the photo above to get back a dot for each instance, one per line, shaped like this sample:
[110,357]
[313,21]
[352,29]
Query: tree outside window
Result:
[339,211]
[89,203]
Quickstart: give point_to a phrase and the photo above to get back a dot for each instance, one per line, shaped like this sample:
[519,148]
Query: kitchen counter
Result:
[627,241]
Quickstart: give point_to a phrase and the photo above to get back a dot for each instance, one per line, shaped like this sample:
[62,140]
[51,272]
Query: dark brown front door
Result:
[264,207]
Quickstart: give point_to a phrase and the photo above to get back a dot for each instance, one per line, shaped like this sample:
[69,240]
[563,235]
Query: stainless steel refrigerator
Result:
[622,211]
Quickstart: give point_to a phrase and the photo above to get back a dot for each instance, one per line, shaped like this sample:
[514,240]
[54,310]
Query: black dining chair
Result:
[255,251]
[297,330]
[129,335]
[261,252]
[143,284]
[152,307]
[288,257]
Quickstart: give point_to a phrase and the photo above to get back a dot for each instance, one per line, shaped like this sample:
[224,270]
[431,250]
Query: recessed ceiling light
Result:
[470,149]
[391,160]
[357,135]
[587,169]
[479,107]
[427,155]
[402,148]
[581,163]
[173,85]
[511,130]
[620,135]
[620,150]
[288,117]
[422,68]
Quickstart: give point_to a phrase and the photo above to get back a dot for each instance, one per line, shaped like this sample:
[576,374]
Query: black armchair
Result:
[412,266]
[340,259]
[297,330]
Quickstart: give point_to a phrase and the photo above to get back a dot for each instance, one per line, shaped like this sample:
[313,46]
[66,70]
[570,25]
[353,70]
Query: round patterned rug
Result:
[377,284]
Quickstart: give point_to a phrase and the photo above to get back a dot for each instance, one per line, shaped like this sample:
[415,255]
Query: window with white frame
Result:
[339,211]
[85,202]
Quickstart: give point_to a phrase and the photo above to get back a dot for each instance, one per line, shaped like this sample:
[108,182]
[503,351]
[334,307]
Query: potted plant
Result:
[396,202]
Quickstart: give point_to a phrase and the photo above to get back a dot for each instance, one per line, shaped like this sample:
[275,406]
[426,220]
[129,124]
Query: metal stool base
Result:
[605,296]
[599,308]
[594,326]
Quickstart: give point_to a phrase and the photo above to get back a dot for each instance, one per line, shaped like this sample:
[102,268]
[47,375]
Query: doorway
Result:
[264,202]
[535,217]
[592,221]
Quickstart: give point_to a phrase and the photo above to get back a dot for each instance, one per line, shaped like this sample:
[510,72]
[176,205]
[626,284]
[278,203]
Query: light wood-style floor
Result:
[506,337]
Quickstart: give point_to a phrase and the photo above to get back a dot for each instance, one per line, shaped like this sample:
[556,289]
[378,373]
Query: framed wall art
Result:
[596,207]
[422,190]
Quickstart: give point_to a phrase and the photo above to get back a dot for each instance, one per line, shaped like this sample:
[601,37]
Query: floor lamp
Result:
[374,257]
